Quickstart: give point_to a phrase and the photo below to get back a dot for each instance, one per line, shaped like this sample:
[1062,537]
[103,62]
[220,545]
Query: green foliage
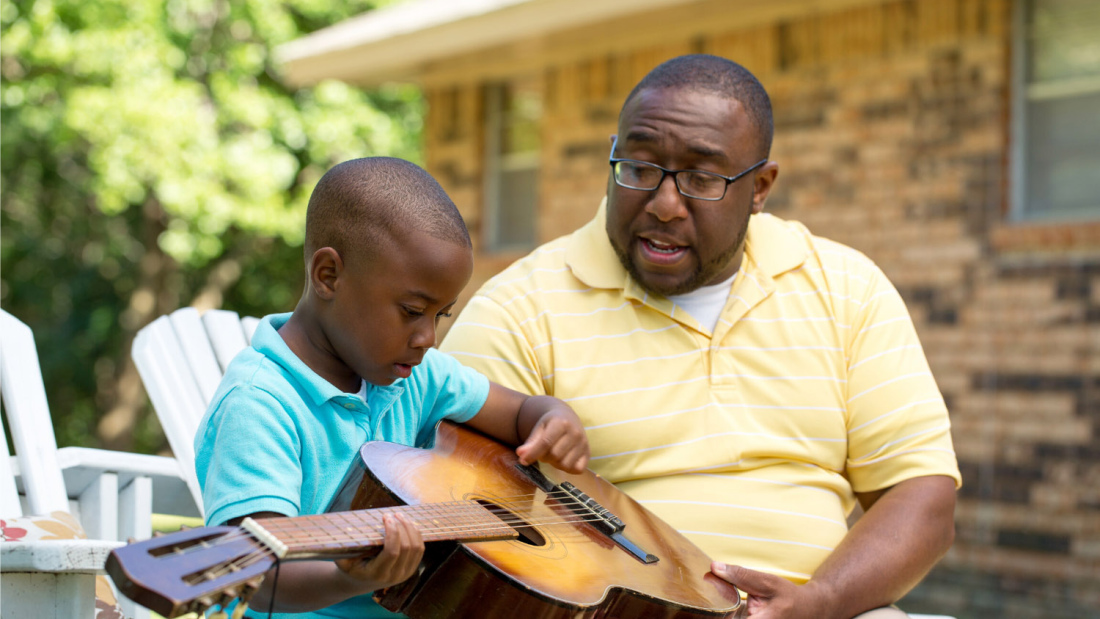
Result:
[151,158]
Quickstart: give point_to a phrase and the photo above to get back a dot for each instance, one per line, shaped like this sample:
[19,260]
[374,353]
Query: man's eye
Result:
[702,181]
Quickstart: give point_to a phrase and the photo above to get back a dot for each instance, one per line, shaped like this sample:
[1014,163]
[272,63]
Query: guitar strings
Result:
[499,508]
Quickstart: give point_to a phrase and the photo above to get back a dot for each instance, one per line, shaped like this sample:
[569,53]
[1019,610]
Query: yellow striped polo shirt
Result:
[749,440]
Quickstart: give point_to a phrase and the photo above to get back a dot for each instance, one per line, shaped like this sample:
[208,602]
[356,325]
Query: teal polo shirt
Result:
[277,437]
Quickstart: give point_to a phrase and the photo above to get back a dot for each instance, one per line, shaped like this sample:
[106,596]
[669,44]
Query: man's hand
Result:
[557,437]
[401,554]
[772,597]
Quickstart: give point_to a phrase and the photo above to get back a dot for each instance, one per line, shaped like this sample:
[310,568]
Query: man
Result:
[744,380]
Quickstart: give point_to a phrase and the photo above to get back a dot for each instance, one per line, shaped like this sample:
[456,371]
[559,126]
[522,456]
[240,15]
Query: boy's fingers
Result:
[577,460]
[535,446]
[402,550]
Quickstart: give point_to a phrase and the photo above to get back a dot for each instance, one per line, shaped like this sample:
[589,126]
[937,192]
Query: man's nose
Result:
[667,203]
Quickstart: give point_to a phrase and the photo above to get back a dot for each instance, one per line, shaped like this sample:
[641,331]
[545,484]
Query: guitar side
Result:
[552,570]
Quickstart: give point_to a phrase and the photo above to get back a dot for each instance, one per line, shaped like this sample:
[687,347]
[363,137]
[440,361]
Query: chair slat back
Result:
[181,359]
[197,350]
[10,507]
[28,414]
[226,332]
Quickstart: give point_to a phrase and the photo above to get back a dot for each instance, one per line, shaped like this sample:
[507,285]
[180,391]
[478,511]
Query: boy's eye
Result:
[443,315]
[411,311]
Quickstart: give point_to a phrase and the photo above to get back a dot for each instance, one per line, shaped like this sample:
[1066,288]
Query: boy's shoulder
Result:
[261,371]
[253,375]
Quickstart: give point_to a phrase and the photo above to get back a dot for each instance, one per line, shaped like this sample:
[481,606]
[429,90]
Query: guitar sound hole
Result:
[527,534]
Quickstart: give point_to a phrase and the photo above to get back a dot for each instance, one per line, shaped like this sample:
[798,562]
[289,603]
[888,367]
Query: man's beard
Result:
[699,277]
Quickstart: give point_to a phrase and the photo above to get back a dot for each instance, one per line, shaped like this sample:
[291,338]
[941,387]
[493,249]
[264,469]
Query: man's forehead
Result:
[652,114]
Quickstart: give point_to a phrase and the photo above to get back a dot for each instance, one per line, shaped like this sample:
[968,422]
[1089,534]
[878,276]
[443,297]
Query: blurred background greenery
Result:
[151,158]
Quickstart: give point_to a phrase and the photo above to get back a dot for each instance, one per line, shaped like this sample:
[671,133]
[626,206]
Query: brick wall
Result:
[892,136]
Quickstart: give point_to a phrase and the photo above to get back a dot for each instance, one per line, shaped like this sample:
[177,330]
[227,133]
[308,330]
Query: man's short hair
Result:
[714,74]
[361,205]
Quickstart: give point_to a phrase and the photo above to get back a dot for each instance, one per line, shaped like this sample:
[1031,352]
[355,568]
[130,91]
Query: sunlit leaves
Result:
[135,129]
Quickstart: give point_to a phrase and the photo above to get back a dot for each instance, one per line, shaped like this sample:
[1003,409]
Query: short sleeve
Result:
[898,426]
[487,338]
[456,392]
[241,477]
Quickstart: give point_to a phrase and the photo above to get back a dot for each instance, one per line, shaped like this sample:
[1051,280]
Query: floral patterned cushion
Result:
[61,525]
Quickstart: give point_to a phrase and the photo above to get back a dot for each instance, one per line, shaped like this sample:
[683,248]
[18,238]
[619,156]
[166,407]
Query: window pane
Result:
[522,111]
[514,110]
[516,214]
[1063,157]
[1064,40]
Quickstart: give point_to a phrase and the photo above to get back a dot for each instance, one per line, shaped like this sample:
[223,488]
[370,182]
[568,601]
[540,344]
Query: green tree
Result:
[151,158]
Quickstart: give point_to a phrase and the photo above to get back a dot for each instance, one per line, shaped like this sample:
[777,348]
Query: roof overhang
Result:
[396,42]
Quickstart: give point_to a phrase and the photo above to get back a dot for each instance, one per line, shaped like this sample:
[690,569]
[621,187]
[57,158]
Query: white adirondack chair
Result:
[181,358]
[112,493]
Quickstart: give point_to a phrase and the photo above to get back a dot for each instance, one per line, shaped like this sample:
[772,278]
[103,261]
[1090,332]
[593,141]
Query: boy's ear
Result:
[324,269]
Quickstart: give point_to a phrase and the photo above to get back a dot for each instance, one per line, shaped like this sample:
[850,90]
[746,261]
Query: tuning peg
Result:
[186,527]
[159,533]
[238,612]
[131,540]
[228,596]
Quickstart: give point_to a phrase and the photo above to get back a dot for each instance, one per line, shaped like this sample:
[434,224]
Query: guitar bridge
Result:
[605,522]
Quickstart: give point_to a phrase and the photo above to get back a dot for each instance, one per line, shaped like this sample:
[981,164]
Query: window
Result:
[513,114]
[1056,111]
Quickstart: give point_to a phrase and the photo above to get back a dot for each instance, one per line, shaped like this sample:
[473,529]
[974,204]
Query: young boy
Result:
[386,255]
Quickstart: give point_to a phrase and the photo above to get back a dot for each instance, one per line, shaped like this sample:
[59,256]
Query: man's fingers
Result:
[750,581]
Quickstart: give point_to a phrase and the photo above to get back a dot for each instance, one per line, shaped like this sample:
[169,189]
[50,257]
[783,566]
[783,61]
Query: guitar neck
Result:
[352,533]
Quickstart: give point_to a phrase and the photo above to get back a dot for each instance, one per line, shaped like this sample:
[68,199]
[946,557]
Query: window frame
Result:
[497,163]
[1020,99]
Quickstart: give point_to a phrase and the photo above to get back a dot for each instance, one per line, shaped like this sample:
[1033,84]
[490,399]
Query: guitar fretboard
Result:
[341,533]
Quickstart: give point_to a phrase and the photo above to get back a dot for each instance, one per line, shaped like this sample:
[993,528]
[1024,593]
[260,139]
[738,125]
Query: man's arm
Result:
[904,531]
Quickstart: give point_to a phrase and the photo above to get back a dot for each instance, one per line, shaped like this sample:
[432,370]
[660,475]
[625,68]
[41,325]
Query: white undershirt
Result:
[706,303]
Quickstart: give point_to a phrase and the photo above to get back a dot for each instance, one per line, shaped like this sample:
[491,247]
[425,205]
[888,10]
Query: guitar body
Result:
[563,570]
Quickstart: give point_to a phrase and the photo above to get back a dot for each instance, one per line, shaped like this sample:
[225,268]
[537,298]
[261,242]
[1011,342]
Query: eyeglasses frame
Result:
[612,160]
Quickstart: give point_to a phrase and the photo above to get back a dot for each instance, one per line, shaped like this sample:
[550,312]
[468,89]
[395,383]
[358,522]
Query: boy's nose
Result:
[423,337]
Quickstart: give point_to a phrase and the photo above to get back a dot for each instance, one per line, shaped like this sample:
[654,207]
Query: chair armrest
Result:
[81,465]
[69,556]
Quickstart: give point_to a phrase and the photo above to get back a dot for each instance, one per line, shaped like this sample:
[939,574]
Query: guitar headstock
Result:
[191,570]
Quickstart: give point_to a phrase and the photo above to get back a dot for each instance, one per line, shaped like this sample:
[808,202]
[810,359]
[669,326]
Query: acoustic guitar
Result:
[502,540]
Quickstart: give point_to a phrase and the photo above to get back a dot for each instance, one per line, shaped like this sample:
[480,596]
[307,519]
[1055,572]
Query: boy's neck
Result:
[305,338]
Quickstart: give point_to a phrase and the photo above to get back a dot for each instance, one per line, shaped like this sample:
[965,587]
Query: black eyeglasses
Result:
[695,184]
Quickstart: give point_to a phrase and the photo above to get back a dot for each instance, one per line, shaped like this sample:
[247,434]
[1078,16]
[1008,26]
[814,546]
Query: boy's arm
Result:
[310,585]
[544,427]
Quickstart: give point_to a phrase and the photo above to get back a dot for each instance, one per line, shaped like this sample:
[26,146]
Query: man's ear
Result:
[325,268]
[762,186]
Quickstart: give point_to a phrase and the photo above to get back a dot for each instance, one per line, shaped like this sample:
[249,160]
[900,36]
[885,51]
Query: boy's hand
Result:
[557,437]
[400,556]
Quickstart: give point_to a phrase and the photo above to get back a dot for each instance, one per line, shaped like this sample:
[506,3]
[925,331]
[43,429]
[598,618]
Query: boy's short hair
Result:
[362,204]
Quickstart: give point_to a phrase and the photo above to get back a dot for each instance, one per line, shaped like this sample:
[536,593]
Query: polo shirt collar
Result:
[267,341]
[771,248]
